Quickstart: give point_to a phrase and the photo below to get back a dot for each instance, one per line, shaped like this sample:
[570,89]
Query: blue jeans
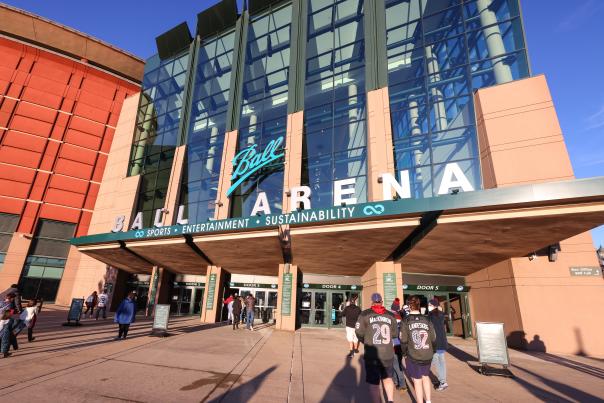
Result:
[438,360]
[249,315]
[398,377]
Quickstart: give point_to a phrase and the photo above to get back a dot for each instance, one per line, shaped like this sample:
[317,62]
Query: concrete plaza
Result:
[216,364]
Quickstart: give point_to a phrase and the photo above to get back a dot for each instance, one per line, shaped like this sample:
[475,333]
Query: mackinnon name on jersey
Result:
[380,319]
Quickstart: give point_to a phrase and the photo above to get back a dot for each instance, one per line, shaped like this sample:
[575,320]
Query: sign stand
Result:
[492,349]
[160,321]
[75,311]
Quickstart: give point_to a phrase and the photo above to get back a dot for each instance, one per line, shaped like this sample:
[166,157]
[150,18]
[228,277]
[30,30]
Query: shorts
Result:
[376,370]
[351,335]
[416,370]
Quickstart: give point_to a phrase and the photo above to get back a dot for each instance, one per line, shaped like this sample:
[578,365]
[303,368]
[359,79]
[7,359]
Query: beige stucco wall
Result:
[14,260]
[117,196]
[226,170]
[380,154]
[521,142]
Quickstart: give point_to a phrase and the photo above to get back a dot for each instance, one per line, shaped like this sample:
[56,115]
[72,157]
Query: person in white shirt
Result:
[27,319]
[102,305]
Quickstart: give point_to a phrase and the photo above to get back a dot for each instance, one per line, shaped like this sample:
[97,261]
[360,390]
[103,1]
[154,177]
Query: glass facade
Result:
[264,105]
[207,127]
[335,130]
[46,259]
[439,52]
[157,131]
[8,225]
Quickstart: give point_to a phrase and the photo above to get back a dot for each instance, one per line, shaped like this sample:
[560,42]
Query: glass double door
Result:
[266,302]
[455,306]
[323,308]
[186,301]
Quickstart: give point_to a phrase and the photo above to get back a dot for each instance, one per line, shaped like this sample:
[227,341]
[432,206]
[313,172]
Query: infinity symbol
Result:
[139,234]
[370,210]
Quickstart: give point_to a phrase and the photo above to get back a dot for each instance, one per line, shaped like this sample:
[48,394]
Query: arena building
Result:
[309,151]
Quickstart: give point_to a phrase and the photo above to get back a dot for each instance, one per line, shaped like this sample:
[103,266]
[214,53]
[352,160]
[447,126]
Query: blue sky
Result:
[564,41]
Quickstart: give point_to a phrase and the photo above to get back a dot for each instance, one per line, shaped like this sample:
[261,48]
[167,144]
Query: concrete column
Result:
[495,45]
[154,285]
[355,133]
[212,300]
[226,170]
[287,321]
[440,112]
[173,192]
[378,279]
[14,260]
[64,293]
[146,128]
[212,149]
[416,131]
[293,157]
[380,150]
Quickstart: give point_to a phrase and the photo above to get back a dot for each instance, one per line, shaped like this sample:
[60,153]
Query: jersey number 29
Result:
[381,334]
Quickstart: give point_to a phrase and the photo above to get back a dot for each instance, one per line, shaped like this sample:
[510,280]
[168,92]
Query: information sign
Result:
[75,310]
[389,289]
[491,343]
[286,294]
[160,319]
[211,291]
[585,271]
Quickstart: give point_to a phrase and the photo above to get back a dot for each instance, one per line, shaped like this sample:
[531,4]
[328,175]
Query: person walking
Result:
[418,343]
[399,376]
[351,313]
[125,315]
[102,305]
[6,325]
[250,305]
[236,311]
[90,304]
[437,317]
[16,305]
[27,320]
[375,328]
[229,304]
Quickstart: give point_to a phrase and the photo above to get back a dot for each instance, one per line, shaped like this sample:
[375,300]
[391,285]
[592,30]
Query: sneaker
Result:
[350,354]
[442,386]
[402,388]
[356,350]
[6,355]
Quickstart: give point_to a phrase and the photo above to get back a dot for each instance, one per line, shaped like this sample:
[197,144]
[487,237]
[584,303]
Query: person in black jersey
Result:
[375,328]
[351,313]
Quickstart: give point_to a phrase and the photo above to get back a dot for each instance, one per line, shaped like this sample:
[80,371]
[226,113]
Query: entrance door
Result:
[324,308]
[197,301]
[181,301]
[460,315]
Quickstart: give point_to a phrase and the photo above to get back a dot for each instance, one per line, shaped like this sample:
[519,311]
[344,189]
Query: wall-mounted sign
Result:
[211,291]
[249,161]
[286,294]
[188,284]
[333,287]
[252,285]
[585,271]
[448,288]
[390,291]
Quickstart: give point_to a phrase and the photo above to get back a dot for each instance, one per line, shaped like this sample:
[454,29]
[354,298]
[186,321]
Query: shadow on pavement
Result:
[578,366]
[347,387]
[538,392]
[243,392]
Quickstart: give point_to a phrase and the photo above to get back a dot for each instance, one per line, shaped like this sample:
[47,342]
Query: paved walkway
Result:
[216,364]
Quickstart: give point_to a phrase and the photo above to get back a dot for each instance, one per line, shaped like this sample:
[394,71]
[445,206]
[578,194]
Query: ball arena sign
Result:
[249,161]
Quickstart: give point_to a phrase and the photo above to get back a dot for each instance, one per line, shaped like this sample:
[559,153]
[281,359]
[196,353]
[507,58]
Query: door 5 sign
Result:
[249,161]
